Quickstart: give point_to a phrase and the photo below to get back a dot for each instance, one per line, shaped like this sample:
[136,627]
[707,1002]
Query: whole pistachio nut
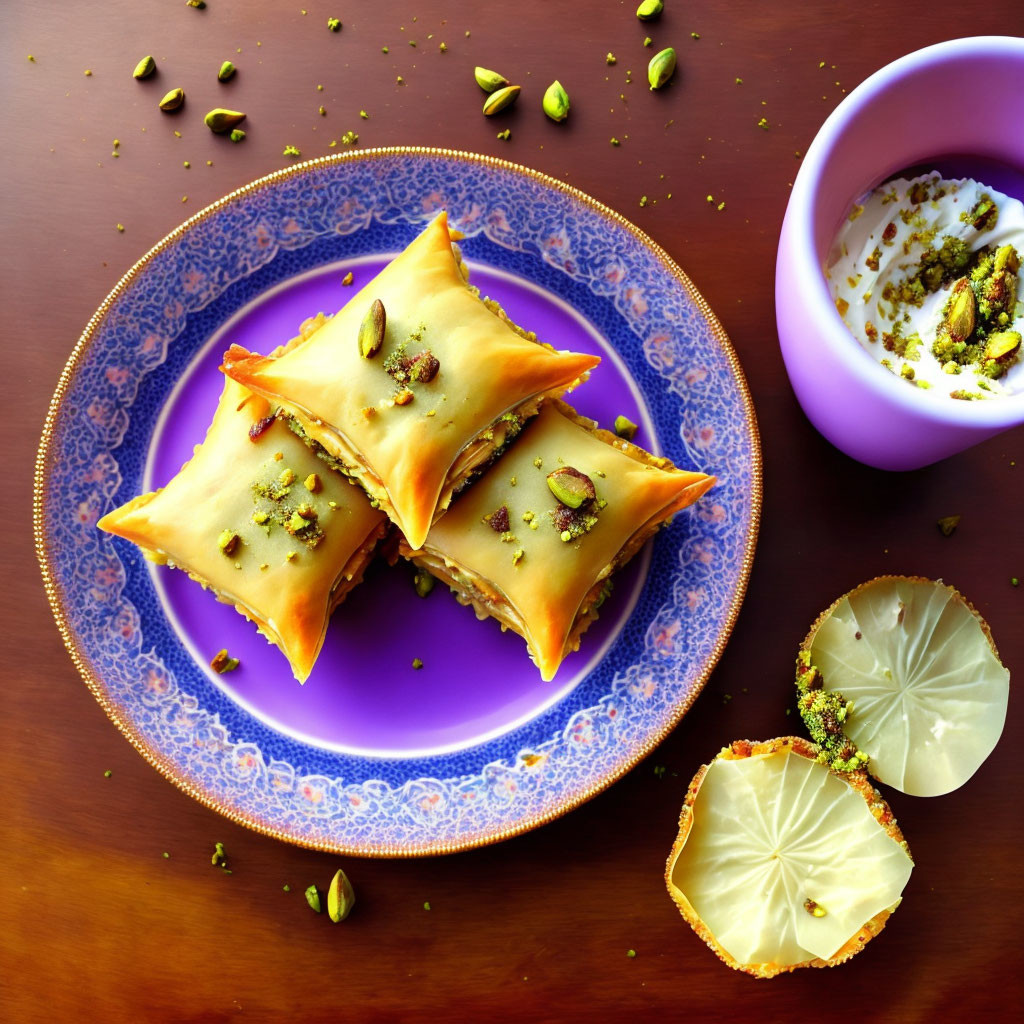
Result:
[489,80]
[556,102]
[571,487]
[220,120]
[500,99]
[172,100]
[371,330]
[1002,347]
[341,898]
[650,9]
[661,68]
[227,69]
[144,68]
[961,311]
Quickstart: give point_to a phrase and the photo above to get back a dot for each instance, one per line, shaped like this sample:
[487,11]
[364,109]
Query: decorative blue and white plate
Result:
[371,756]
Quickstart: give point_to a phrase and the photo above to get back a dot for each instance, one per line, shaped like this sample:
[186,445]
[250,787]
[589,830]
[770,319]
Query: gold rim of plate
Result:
[571,800]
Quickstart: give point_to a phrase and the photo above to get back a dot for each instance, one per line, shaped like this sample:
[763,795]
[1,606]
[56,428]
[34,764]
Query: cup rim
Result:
[800,227]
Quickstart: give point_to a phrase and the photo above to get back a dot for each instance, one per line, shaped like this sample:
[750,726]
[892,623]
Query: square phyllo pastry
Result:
[415,385]
[258,519]
[534,541]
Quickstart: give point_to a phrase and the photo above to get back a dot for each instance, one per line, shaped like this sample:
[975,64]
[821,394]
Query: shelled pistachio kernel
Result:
[650,9]
[372,330]
[227,69]
[489,81]
[661,68]
[313,899]
[144,68]
[220,120]
[172,100]
[222,662]
[625,428]
[571,487]
[501,99]
[341,897]
[228,542]
[556,102]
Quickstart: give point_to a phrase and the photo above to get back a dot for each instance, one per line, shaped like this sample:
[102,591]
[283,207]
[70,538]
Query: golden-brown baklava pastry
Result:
[533,541]
[258,519]
[415,385]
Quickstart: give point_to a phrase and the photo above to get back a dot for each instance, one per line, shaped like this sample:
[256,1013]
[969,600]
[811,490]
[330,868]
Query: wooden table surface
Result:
[94,923]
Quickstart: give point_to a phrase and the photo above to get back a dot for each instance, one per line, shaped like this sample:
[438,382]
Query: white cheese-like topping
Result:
[881,243]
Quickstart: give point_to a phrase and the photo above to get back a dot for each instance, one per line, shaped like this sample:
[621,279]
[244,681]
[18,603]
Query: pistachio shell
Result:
[500,99]
[556,102]
[220,120]
[489,80]
[172,100]
[661,68]
[144,68]
[371,330]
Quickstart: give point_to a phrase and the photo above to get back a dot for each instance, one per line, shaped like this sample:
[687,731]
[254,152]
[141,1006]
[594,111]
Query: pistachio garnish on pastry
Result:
[415,385]
[537,555]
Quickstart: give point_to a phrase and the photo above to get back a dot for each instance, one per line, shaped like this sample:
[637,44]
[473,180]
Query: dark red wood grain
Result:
[94,923]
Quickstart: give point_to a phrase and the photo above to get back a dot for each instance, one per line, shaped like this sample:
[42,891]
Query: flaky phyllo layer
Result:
[451,382]
[514,550]
[258,519]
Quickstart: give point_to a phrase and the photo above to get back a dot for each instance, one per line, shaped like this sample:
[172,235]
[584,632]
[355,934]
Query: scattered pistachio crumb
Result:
[399,80]
[364,115]
[319,88]
[107,774]
[631,953]
[614,141]
[506,134]
[383,49]
[349,138]
[443,47]
[334,24]
[184,199]
[538,462]
[120,227]
[412,42]
[222,662]
[312,483]
[518,556]
[1014,582]
[566,536]
[290,556]
[720,207]
[209,163]
[186,165]
[88,73]
[947,525]
[695,35]
[610,58]
[31,58]
[426,906]
[288,888]
[648,41]
[739,81]
[323,111]
[166,855]
[291,151]
[644,200]
[417,663]
[763,123]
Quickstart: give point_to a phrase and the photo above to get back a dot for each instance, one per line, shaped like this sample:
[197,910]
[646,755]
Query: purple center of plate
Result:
[364,697]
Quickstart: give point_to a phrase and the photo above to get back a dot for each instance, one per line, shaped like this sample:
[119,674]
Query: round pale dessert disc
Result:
[781,863]
[918,665]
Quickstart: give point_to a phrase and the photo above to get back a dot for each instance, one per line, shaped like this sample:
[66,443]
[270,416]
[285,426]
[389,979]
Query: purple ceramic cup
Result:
[957,107]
